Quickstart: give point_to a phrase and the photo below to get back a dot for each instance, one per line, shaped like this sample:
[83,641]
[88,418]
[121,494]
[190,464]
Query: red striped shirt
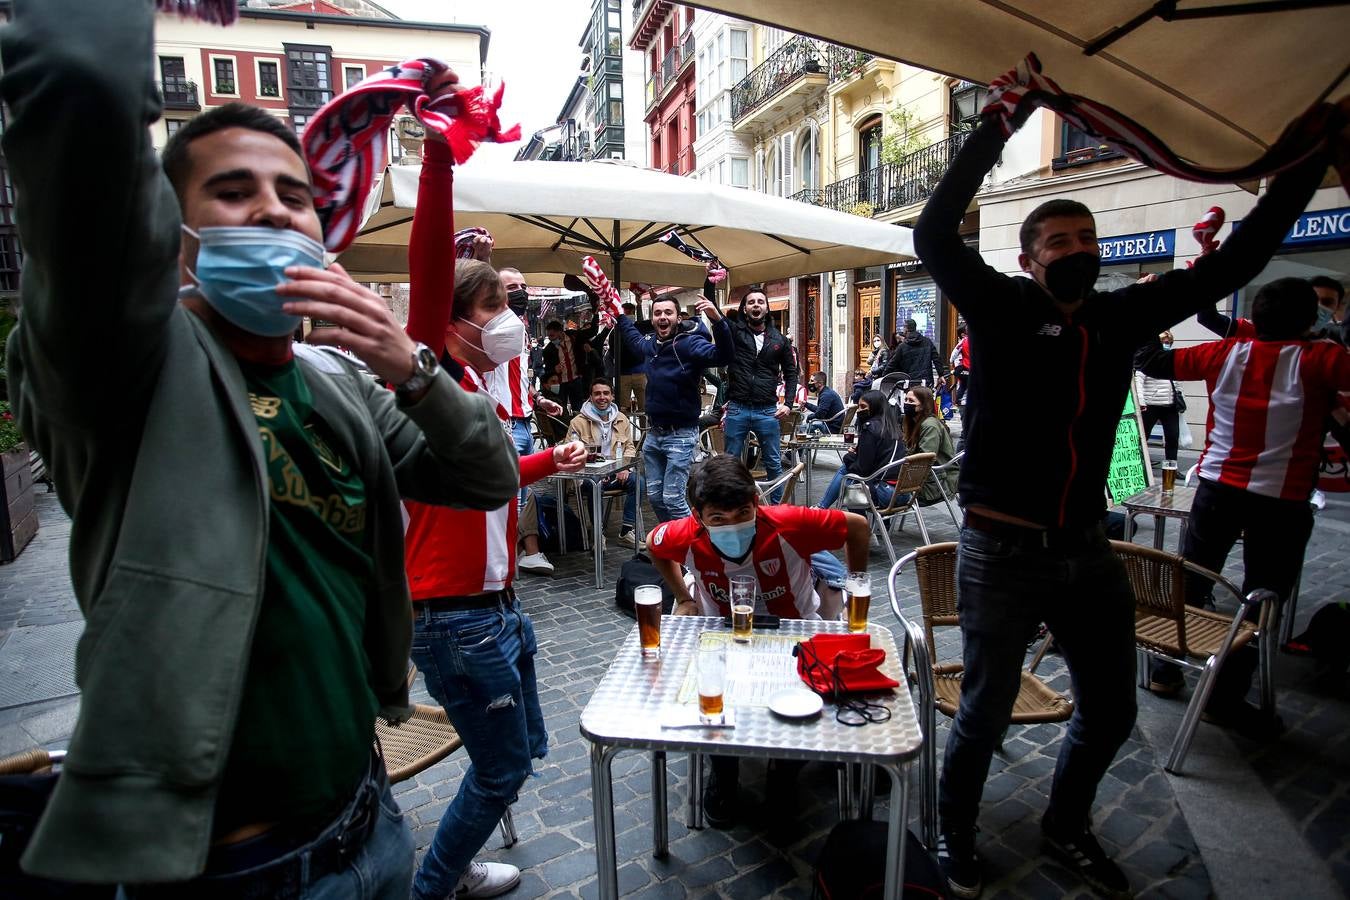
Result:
[509,385]
[1269,402]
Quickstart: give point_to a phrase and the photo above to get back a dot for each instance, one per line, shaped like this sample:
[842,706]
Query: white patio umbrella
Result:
[1217,80]
[545,216]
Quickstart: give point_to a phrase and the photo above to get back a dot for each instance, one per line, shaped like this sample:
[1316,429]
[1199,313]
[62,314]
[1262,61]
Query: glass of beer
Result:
[647,604]
[858,599]
[1169,475]
[712,677]
[742,607]
[593,453]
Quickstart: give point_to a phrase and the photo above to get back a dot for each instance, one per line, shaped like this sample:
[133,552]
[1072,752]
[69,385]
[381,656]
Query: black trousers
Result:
[1169,417]
[1274,536]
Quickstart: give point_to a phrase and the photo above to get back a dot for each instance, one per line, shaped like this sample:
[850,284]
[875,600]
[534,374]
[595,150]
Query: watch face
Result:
[427,363]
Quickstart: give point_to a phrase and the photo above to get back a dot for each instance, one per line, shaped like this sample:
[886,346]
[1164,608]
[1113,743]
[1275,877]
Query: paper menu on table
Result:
[755,671]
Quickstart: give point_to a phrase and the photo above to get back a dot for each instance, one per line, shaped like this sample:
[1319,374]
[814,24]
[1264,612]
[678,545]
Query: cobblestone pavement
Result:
[1164,830]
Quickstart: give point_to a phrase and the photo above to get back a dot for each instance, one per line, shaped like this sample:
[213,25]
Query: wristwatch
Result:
[425,367]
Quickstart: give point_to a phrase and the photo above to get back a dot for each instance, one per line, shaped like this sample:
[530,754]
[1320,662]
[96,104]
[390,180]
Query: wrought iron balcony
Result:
[179,93]
[798,57]
[813,196]
[895,185]
[845,62]
[687,48]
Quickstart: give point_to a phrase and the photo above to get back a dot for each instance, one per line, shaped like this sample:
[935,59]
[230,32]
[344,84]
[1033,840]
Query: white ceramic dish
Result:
[796,703]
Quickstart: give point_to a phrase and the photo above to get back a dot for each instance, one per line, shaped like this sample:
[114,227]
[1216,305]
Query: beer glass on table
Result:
[1169,475]
[742,607]
[857,599]
[647,605]
[712,677]
[593,453]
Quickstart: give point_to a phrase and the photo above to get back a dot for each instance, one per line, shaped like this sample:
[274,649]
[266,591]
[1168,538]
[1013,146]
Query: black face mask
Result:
[911,409]
[814,388]
[1070,278]
[518,300]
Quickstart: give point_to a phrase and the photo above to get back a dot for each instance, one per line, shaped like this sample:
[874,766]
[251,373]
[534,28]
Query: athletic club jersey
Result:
[1269,402]
[779,559]
[456,552]
[509,385]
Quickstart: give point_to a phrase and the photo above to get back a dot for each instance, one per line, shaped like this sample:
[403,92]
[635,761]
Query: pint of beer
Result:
[647,605]
[1169,475]
[857,599]
[742,618]
[712,676]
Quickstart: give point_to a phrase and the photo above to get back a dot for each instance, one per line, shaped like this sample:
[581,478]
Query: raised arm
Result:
[632,338]
[968,281]
[431,249]
[98,219]
[1210,317]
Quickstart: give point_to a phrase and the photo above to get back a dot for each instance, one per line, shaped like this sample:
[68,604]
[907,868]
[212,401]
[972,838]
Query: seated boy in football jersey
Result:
[731,534]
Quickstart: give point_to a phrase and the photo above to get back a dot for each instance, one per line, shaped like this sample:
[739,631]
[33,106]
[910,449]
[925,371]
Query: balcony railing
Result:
[672,64]
[799,56]
[814,196]
[894,185]
[845,62]
[179,94]
[687,48]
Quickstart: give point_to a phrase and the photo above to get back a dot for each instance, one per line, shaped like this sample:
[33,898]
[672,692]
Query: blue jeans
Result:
[632,488]
[479,665]
[666,457]
[524,442]
[380,870]
[740,421]
[881,492]
[1004,590]
[826,567]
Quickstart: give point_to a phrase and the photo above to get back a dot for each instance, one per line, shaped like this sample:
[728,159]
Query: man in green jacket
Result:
[236,544]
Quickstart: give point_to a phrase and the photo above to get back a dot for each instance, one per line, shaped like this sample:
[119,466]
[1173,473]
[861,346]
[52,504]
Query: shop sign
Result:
[1137,247]
[1320,227]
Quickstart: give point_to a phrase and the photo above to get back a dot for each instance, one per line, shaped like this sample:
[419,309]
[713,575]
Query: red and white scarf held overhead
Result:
[611,306]
[217,12]
[1206,232]
[1014,95]
[346,140]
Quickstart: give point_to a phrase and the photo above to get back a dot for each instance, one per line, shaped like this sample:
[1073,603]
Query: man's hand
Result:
[781,412]
[708,308]
[363,324]
[687,607]
[622,476]
[441,85]
[548,406]
[570,457]
[482,247]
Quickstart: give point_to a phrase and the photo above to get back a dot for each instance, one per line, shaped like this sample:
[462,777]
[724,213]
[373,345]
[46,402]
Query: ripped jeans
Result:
[479,665]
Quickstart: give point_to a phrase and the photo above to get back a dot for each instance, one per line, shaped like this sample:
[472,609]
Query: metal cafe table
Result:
[807,447]
[1153,502]
[594,474]
[636,695]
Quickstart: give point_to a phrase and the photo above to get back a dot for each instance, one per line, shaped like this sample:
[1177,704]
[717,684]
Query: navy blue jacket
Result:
[675,366]
[828,409]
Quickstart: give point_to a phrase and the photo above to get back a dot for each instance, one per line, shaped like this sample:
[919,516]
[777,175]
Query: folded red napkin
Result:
[842,663]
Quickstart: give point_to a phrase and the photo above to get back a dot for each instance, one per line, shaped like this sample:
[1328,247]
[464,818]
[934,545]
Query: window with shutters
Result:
[222,76]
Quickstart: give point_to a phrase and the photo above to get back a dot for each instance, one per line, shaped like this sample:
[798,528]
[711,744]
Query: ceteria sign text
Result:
[1135,247]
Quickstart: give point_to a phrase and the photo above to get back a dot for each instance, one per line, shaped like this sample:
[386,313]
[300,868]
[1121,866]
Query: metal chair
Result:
[936,474]
[940,683]
[910,474]
[422,741]
[1166,628]
[787,481]
[711,441]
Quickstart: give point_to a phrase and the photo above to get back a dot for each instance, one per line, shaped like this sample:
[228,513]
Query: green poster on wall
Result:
[1130,470]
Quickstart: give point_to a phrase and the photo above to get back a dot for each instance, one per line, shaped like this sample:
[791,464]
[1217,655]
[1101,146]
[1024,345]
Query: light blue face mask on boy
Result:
[732,541]
[238,270]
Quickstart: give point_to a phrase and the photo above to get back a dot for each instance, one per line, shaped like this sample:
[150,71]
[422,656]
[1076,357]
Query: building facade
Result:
[663,32]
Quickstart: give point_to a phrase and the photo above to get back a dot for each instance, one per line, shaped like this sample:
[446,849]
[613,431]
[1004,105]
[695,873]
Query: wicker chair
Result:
[1166,628]
[910,475]
[940,683]
[787,481]
[936,474]
[422,741]
[31,762]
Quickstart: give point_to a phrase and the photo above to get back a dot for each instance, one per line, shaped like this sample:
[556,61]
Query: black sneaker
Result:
[960,865]
[1165,679]
[1081,853]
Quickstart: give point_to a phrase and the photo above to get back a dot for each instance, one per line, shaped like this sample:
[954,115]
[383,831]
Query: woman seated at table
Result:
[880,441]
[925,431]
[731,533]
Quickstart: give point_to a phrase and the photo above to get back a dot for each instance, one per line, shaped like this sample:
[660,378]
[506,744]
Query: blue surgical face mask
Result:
[238,269]
[732,541]
[1323,316]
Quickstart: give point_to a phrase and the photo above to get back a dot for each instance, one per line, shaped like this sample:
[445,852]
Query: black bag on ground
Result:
[548,525]
[639,571]
[852,865]
[1327,639]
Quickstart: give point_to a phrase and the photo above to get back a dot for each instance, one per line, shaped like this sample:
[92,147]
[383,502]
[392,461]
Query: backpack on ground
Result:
[638,571]
[1327,640]
[548,525]
[852,865]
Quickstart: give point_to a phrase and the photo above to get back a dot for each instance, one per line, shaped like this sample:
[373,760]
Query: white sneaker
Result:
[535,564]
[626,538]
[487,880]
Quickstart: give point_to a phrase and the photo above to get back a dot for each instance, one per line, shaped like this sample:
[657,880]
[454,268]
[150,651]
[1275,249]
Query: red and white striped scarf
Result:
[346,142]
[1014,95]
[217,12]
[611,306]
[1205,232]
